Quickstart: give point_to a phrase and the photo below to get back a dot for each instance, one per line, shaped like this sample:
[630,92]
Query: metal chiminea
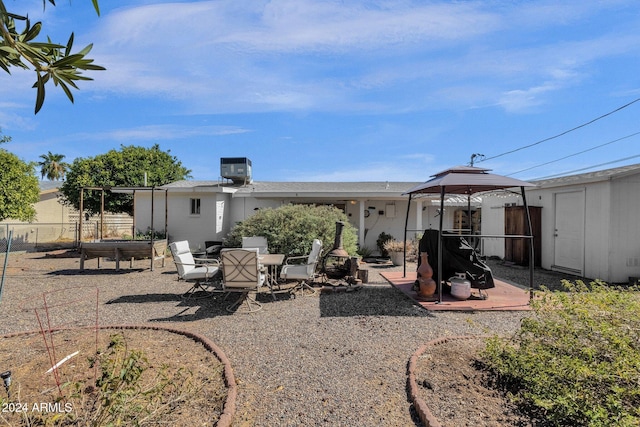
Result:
[336,262]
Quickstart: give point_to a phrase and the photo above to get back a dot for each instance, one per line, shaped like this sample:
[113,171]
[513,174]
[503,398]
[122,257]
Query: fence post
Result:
[6,259]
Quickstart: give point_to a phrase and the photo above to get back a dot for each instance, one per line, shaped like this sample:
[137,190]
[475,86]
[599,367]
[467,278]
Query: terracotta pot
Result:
[427,286]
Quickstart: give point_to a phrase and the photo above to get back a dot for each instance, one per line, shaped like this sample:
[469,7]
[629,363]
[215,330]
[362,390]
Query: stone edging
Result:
[229,409]
[423,411]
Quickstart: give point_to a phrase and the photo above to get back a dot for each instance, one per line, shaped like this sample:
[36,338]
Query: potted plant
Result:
[395,249]
[382,239]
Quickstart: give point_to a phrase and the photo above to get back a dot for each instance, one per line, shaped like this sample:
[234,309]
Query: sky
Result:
[309,90]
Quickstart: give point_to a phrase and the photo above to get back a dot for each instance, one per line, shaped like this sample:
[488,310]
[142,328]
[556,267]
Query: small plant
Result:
[147,235]
[398,246]
[365,252]
[575,361]
[382,238]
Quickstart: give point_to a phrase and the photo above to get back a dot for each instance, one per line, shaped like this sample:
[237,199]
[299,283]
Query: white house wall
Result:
[384,215]
[244,207]
[611,230]
[596,237]
[208,226]
[625,237]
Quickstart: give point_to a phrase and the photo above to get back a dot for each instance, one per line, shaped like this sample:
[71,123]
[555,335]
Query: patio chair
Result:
[242,273]
[190,271]
[304,271]
[259,242]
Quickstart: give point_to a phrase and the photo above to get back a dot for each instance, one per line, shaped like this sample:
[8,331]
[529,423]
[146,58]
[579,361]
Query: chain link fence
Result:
[43,236]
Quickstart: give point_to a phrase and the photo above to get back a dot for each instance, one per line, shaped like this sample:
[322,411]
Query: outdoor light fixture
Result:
[6,378]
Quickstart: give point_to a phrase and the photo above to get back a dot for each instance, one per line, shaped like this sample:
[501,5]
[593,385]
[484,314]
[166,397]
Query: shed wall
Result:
[625,236]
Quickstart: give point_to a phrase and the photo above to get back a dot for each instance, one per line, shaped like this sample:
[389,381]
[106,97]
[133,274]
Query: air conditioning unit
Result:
[237,169]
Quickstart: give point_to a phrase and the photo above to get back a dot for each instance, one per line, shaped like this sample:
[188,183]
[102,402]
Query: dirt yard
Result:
[375,330]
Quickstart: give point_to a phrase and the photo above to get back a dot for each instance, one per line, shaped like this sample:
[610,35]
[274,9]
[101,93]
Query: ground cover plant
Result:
[136,378]
[576,361]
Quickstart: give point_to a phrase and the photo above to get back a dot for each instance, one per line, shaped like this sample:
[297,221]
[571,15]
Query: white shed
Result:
[589,223]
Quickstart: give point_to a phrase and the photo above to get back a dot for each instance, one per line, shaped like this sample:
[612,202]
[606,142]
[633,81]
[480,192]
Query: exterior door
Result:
[569,232]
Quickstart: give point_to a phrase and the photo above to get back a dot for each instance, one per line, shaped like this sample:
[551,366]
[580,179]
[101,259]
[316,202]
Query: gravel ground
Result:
[336,359]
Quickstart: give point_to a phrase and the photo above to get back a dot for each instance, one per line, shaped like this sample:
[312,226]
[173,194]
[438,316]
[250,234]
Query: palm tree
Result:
[52,166]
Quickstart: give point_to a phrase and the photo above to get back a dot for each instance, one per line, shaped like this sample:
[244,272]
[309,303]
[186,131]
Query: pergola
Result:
[131,190]
[468,180]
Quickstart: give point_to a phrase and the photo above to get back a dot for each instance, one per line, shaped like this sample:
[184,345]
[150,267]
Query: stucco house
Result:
[201,211]
[588,223]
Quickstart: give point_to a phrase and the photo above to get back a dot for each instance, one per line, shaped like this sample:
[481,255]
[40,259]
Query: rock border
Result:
[421,407]
[229,408]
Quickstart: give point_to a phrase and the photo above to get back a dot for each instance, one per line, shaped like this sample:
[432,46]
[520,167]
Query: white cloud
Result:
[158,133]
[306,55]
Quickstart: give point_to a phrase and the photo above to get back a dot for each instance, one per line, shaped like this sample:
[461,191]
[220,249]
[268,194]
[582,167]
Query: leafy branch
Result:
[50,61]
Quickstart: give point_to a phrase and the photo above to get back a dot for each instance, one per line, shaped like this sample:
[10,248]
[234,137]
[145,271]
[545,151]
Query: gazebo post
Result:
[531,249]
[442,192]
[406,223]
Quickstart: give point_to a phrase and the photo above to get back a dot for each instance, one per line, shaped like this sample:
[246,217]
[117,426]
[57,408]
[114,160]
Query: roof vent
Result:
[237,169]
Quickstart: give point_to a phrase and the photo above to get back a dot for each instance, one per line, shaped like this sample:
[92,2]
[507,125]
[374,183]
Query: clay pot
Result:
[427,286]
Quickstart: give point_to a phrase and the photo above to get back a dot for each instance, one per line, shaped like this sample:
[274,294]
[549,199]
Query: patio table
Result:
[272,262]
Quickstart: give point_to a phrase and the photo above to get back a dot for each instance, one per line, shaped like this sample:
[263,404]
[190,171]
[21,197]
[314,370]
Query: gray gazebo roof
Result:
[466,180]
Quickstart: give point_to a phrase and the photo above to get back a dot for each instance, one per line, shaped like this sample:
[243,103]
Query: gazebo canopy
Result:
[466,180]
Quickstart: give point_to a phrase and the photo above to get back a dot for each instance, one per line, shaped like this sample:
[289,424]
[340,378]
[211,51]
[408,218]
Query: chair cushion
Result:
[315,251]
[182,257]
[259,242]
[297,272]
[180,247]
[201,273]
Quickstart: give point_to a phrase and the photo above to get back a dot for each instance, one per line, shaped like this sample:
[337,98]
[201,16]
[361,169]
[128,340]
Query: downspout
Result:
[166,214]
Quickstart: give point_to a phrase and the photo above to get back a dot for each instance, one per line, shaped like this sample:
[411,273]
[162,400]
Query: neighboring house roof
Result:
[584,178]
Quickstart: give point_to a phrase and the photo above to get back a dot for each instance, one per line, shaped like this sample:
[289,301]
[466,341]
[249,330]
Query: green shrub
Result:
[576,360]
[290,229]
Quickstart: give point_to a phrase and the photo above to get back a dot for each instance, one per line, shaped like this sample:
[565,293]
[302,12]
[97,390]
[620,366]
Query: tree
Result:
[123,168]
[51,61]
[19,189]
[4,138]
[52,166]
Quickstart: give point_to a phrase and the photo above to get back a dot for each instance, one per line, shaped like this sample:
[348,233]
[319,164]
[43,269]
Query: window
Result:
[195,206]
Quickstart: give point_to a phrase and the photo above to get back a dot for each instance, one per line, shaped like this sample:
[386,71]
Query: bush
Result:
[576,361]
[290,229]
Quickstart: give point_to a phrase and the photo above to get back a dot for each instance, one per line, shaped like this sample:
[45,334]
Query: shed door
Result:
[569,232]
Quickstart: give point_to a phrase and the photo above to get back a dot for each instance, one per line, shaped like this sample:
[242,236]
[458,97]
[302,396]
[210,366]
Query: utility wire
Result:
[588,167]
[575,154]
[562,133]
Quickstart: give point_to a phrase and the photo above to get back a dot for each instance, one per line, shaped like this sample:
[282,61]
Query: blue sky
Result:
[342,90]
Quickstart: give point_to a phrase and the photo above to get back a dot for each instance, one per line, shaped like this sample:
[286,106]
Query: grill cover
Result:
[458,256]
